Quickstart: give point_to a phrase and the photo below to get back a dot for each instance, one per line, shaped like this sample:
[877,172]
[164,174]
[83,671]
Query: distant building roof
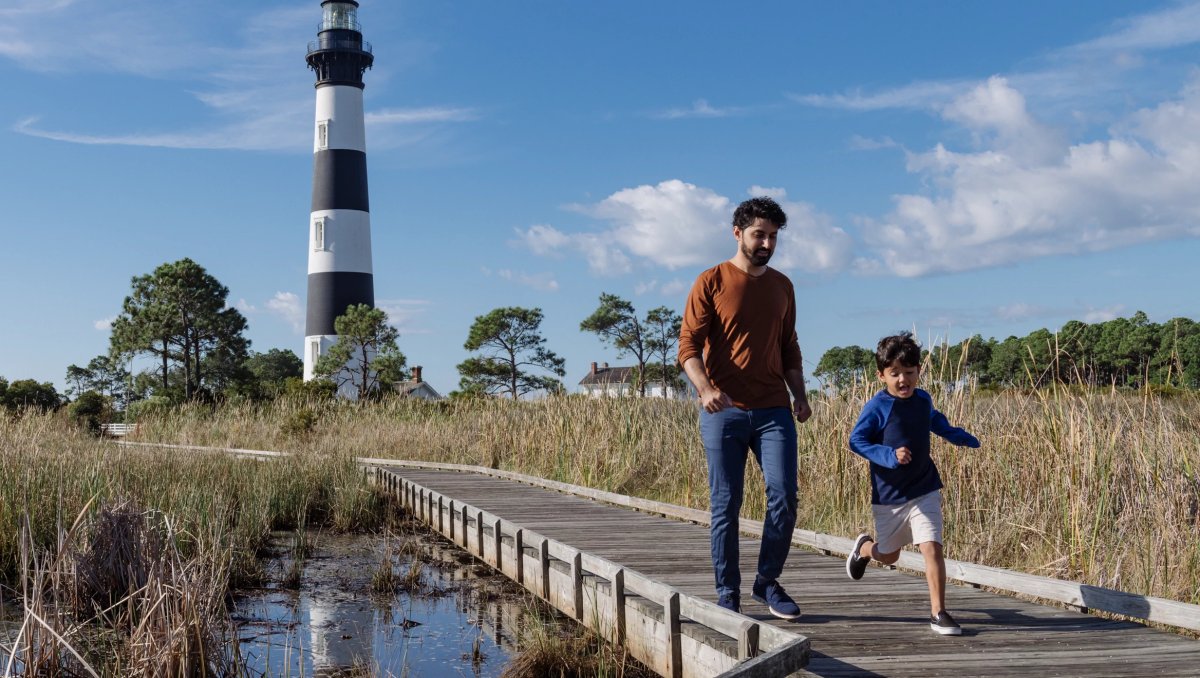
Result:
[602,375]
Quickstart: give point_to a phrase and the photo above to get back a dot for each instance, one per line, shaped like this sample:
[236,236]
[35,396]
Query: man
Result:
[738,346]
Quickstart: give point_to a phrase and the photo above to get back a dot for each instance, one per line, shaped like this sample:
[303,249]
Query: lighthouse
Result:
[339,230]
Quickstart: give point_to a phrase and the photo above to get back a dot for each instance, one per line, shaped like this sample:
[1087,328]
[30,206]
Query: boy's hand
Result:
[903,455]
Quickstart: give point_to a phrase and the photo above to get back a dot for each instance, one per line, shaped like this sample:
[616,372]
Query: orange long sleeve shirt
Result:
[744,328]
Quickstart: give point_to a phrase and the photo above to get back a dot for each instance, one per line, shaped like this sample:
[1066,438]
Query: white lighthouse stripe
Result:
[346,242]
[342,107]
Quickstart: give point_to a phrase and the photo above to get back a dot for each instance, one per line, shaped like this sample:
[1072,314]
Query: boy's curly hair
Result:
[901,347]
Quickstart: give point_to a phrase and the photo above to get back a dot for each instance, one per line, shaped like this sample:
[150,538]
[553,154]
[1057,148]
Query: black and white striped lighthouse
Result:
[339,253]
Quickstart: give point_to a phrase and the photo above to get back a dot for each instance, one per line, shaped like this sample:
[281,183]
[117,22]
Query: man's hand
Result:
[802,410]
[714,400]
[903,455]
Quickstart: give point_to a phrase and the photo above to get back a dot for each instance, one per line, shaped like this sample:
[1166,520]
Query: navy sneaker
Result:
[731,602]
[771,594]
[856,565]
[944,624]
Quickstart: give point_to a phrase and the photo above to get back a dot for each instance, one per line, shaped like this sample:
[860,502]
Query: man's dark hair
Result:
[898,347]
[758,208]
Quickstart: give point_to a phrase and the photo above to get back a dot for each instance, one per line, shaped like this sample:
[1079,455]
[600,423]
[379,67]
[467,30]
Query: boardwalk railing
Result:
[675,634]
[1075,594]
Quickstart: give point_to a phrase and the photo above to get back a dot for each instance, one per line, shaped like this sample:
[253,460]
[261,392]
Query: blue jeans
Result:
[771,435]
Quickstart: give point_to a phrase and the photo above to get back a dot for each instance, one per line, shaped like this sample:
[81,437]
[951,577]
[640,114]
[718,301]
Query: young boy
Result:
[893,434]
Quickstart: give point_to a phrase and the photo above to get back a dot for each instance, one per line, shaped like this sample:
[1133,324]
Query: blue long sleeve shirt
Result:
[888,423]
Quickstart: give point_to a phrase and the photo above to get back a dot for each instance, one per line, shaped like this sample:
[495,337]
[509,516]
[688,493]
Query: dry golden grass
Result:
[119,559]
[1084,484]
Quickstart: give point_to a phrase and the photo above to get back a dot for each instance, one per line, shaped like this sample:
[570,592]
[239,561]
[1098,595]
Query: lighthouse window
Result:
[341,15]
[318,234]
[322,135]
[314,351]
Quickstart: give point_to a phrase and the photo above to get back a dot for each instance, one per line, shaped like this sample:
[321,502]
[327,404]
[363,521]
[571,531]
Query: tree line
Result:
[1124,353]
[178,316]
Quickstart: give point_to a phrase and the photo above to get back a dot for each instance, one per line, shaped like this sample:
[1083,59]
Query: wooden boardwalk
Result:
[875,627]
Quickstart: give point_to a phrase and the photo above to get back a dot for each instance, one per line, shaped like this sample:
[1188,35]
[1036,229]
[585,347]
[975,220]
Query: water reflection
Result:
[457,618]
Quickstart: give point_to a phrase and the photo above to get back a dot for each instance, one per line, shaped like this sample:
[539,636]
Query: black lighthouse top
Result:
[339,55]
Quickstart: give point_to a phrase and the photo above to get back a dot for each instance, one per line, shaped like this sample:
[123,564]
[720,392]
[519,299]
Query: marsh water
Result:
[448,615]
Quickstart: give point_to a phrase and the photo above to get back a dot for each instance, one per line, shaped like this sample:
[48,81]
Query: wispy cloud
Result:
[410,116]
[544,282]
[1075,79]
[1164,29]
[104,324]
[861,143]
[287,306]
[404,314]
[256,96]
[923,95]
[700,108]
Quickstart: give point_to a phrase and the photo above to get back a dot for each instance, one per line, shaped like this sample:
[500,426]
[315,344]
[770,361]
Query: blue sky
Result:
[953,168]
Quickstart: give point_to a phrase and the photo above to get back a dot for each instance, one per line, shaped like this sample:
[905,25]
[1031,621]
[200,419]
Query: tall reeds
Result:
[1089,484]
[119,559]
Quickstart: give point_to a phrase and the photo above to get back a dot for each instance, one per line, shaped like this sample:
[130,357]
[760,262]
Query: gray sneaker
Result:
[944,624]
[856,565]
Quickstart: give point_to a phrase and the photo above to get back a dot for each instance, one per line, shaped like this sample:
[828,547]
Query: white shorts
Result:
[914,522]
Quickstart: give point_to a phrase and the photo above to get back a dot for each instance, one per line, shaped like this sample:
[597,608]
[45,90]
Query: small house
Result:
[603,380]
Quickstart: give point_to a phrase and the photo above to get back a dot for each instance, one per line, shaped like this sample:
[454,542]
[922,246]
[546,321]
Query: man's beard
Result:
[757,257]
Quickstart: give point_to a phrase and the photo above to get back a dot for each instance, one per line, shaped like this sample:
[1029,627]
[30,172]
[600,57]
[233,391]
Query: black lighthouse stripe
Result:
[330,293]
[339,180]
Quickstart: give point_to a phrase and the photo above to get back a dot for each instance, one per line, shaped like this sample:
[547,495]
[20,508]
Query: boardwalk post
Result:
[618,585]
[544,553]
[519,547]
[465,543]
[499,543]
[441,511]
[674,641]
[452,539]
[577,584]
[479,536]
[421,499]
[748,640]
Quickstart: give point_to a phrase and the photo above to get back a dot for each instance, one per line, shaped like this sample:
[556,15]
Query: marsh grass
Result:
[1090,484]
[119,559]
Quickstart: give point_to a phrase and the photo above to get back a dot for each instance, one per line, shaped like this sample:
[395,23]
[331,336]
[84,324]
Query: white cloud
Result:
[675,224]
[811,241]
[543,239]
[1172,27]
[861,143]
[917,96]
[544,282]
[404,314]
[255,95]
[1026,195]
[410,116]
[287,305]
[246,307]
[1102,315]
[700,109]
[675,287]
[104,324]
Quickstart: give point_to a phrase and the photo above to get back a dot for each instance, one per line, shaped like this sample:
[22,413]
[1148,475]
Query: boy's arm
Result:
[868,426]
[941,426]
